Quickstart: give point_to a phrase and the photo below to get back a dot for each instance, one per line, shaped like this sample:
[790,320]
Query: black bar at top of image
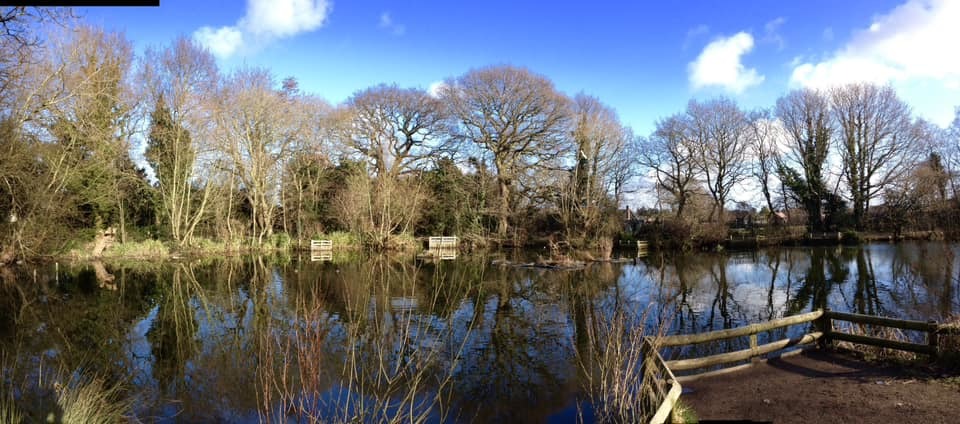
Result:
[80,3]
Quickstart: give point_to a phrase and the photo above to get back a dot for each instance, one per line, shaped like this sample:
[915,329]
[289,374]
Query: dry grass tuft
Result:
[875,352]
[92,401]
[949,344]
[621,385]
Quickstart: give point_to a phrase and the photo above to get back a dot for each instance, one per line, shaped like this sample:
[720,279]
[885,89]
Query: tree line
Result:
[497,155]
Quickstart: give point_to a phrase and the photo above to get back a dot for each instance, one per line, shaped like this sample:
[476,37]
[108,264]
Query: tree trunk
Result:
[504,213]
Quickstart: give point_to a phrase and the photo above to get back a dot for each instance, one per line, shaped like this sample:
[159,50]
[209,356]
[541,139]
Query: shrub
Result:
[280,241]
[138,249]
[402,242]
[617,383]
[341,239]
[851,237]
[949,345]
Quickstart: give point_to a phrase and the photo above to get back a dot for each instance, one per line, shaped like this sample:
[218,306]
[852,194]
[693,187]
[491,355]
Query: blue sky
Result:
[646,59]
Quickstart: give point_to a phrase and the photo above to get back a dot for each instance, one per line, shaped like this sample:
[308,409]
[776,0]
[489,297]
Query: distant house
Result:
[741,219]
[778,218]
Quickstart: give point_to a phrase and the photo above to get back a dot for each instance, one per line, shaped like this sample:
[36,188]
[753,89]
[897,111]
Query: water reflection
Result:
[270,339]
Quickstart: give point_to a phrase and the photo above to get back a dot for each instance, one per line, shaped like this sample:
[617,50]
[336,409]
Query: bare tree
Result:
[180,78]
[589,191]
[951,151]
[667,152]
[875,133]
[720,132]
[19,42]
[625,166]
[515,117]
[305,169]
[763,134]
[258,128]
[391,127]
[805,115]
[378,210]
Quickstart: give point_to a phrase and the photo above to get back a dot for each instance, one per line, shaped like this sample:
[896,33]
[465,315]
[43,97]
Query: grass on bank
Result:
[683,413]
[148,248]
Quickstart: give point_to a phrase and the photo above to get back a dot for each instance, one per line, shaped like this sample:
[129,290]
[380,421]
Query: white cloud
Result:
[222,42]
[719,65]
[435,88]
[265,21]
[387,23]
[911,46]
[915,40]
[771,33]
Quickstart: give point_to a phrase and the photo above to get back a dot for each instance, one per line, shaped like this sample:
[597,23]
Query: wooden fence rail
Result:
[931,328]
[657,370]
[444,242]
[742,355]
[321,244]
[688,339]
[755,350]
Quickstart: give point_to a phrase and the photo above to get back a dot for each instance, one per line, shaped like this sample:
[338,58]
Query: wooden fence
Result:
[825,334]
[832,236]
[823,322]
[755,350]
[931,328]
[663,389]
[321,244]
[436,243]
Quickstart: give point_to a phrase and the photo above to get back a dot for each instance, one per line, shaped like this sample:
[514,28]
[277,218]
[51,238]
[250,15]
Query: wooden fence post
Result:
[825,325]
[933,338]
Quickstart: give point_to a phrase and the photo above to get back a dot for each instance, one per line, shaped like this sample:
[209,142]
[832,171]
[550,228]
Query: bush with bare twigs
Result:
[620,384]
[382,363]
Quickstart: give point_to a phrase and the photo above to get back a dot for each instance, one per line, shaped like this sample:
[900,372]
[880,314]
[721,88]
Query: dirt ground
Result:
[818,387]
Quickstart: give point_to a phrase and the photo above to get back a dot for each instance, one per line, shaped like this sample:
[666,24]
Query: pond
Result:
[289,339]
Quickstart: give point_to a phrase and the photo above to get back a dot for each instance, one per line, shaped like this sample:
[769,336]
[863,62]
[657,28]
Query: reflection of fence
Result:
[442,254]
[321,244]
[321,255]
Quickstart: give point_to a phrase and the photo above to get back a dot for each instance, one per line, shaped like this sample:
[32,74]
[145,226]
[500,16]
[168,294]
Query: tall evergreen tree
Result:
[171,155]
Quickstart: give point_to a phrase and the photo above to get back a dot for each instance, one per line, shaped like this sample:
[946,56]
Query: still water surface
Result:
[267,338]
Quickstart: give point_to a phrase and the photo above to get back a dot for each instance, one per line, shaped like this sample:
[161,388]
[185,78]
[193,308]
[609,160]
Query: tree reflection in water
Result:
[385,338]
